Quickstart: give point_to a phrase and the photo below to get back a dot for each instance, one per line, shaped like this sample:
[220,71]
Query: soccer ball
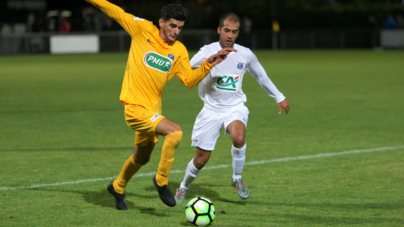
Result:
[200,211]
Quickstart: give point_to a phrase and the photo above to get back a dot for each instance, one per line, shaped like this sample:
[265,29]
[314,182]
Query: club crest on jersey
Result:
[228,82]
[157,61]
[240,66]
[171,56]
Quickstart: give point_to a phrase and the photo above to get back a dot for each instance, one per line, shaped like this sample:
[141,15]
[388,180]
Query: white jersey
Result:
[222,87]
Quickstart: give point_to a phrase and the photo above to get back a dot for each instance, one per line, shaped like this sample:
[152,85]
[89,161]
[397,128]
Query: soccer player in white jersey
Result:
[221,91]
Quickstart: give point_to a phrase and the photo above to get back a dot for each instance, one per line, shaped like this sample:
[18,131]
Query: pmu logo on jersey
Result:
[240,66]
[228,82]
[157,61]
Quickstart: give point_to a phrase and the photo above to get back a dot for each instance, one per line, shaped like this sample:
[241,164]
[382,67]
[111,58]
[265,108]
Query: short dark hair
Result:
[232,18]
[175,11]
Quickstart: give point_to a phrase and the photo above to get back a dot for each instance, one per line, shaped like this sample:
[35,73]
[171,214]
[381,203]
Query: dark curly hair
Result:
[175,11]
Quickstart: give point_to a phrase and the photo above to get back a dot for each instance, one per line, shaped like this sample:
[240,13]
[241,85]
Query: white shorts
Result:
[210,121]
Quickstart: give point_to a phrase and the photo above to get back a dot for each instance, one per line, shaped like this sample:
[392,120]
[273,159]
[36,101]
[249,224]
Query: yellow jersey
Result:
[151,62]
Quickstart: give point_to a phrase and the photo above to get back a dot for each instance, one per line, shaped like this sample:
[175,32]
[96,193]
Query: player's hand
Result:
[285,105]
[220,56]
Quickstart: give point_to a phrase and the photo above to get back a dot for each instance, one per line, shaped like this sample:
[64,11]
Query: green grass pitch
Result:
[61,121]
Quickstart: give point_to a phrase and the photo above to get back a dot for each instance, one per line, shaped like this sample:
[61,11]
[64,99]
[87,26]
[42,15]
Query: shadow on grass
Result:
[104,199]
[206,190]
[185,223]
[212,191]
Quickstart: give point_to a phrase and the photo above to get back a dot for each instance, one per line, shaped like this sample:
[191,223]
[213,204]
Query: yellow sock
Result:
[128,170]
[167,157]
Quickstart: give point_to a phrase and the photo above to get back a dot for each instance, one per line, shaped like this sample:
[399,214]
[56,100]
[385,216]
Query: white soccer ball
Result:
[200,211]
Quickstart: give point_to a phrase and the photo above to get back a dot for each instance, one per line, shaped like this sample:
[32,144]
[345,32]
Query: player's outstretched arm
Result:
[190,77]
[259,74]
[116,13]
[285,105]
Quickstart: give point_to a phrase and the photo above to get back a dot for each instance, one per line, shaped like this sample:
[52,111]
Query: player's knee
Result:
[174,128]
[177,128]
[142,152]
[174,137]
[238,141]
[201,162]
[143,160]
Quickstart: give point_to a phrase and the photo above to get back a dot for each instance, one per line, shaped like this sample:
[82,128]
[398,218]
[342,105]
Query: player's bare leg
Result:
[193,168]
[141,156]
[173,134]
[201,158]
[237,134]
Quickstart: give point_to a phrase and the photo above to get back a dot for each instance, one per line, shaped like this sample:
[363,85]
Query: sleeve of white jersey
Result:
[258,72]
[199,58]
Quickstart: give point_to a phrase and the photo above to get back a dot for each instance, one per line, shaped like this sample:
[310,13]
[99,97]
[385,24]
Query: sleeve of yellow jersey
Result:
[131,24]
[190,77]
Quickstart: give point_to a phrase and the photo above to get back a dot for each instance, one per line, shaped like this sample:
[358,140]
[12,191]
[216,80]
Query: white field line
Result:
[213,167]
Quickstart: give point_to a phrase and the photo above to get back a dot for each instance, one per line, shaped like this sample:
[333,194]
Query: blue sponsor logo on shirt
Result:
[240,66]
[171,56]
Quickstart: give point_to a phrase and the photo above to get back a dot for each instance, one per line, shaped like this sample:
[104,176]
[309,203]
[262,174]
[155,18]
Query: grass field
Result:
[337,159]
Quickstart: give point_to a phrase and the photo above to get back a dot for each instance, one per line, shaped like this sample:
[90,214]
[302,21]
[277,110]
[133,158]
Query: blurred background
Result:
[40,26]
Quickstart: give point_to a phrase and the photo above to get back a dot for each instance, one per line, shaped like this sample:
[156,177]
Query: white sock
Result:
[190,174]
[238,155]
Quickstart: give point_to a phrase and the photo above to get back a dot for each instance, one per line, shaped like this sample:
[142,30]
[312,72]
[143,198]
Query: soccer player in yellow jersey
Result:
[154,58]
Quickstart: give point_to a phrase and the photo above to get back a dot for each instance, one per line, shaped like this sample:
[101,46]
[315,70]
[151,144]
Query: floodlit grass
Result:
[61,121]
